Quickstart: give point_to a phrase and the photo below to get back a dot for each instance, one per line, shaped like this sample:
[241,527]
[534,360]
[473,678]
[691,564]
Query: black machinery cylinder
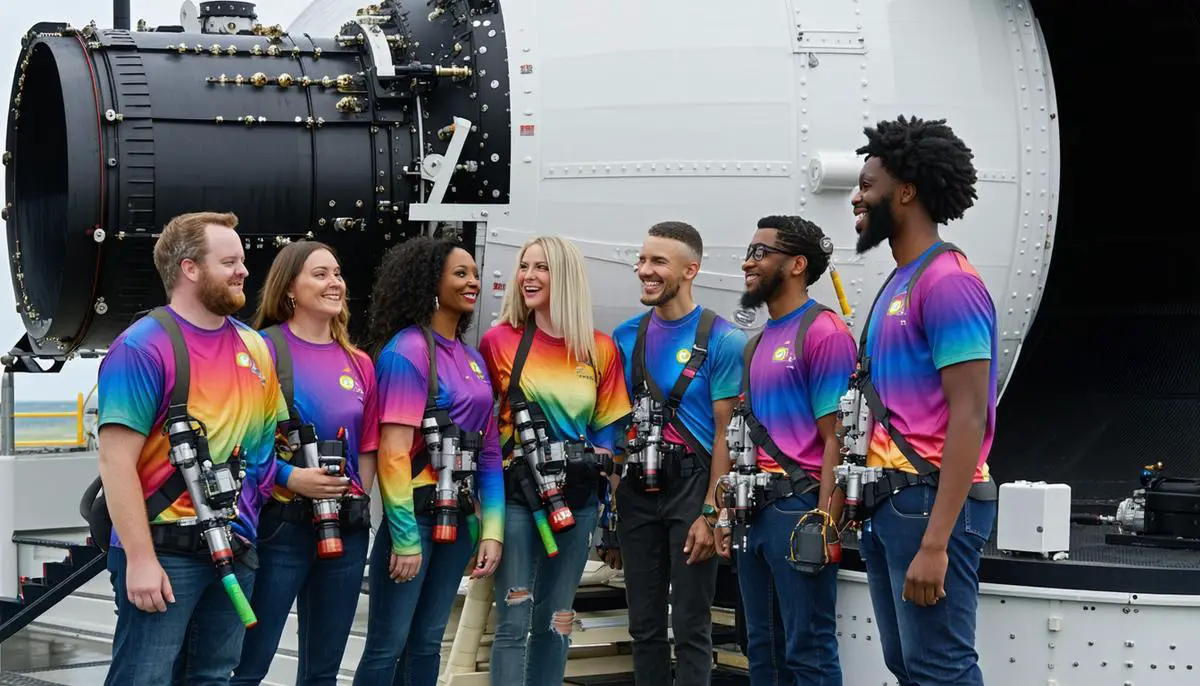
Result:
[111,133]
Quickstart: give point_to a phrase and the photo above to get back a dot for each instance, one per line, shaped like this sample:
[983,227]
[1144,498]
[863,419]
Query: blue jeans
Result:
[791,620]
[531,588]
[327,590]
[408,619]
[926,646]
[197,641]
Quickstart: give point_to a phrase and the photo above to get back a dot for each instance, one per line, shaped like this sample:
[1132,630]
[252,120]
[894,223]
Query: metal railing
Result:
[79,441]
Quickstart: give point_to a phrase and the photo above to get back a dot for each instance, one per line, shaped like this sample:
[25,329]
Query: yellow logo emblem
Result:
[243,359]
[896,306]
[683,356]
[475,368]
[346,382]
[780,354]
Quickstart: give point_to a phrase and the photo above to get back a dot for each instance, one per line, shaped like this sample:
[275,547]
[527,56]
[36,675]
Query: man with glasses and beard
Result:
[930,353]
[686,362]
[175,621]
[797,371]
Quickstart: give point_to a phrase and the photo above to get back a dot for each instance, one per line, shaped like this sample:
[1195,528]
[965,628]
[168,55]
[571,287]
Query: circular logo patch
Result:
[780,354]
[475,368]
[683,356]
[346,382]
[243,360]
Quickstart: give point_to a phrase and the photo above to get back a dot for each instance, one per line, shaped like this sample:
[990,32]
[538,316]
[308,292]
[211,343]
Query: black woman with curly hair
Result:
[423,300]
[930,348]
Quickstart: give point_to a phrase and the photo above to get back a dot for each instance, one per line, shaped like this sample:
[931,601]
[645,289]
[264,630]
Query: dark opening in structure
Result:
[1109,377]
[43,165]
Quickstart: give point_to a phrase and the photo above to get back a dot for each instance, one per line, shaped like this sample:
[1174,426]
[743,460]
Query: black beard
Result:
[767,287]
[670,290]
[881,225]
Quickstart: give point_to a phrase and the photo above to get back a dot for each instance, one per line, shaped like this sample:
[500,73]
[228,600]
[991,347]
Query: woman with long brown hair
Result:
[330,388]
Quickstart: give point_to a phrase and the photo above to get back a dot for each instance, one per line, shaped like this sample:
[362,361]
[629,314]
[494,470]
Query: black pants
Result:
[652,530]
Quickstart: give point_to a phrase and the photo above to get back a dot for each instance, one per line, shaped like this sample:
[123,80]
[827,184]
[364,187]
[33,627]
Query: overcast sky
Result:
[78,376]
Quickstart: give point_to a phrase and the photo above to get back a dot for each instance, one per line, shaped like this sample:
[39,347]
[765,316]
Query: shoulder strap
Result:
[672,401]
[174,486]
[942,247]
[431,393]
[870,393]
[758,432]
[515,394]
[283,367]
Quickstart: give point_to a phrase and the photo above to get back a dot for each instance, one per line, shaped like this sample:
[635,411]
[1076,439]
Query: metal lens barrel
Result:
[112,133]
[326,511]
[445,503]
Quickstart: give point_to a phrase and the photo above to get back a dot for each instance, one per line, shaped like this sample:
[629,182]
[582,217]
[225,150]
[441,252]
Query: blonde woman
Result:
[571,385]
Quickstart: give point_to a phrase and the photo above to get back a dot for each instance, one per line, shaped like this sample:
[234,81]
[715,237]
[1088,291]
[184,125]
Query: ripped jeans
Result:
[534,597]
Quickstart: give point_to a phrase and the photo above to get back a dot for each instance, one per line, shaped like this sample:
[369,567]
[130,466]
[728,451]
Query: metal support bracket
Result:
[381,50]
[448,162]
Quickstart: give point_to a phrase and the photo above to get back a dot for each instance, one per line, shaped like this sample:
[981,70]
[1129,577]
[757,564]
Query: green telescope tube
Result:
[543,527]
[245,613]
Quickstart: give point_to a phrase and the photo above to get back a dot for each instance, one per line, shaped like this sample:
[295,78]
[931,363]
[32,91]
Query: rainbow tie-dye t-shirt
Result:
[233,391]
[948,318]
[331,390]
[789,393]
[466,391]
[576,402]
[668,350]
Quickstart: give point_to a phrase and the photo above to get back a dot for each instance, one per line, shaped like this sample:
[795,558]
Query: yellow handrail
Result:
[77,414]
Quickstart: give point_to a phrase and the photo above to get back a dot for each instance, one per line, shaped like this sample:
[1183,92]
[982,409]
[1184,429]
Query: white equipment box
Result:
[1034,517]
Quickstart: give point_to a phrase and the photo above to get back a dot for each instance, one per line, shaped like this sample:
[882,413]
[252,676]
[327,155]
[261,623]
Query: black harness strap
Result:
[431,393]
[672,402]
[283,368]
[515,395]
[174,486]
[801,481]
[870,393]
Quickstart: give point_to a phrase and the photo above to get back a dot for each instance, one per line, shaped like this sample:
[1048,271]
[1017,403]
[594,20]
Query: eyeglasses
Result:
[757,251]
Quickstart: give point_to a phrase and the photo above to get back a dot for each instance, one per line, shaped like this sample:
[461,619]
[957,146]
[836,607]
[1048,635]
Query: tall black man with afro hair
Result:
[930,351]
